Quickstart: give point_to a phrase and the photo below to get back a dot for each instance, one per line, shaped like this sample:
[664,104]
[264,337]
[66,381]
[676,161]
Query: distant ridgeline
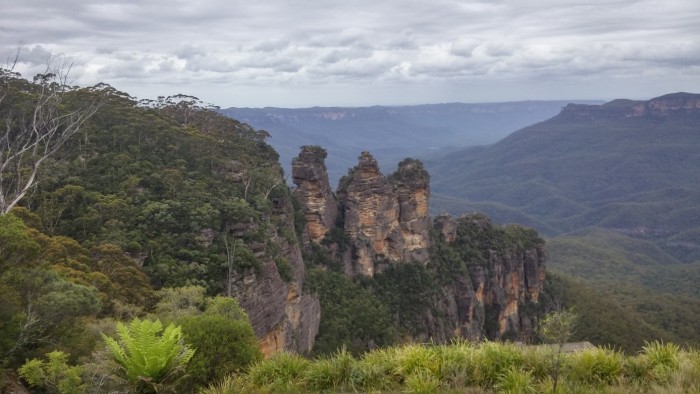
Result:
[428,279]
[628,166]
[417,131]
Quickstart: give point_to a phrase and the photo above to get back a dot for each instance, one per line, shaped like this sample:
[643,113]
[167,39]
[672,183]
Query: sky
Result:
[301,53]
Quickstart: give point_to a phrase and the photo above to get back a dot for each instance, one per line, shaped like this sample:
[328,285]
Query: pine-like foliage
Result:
[146,355]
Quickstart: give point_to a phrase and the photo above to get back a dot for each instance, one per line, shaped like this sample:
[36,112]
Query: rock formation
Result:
[412,189]
[283,317]
[313,190]
[386,219]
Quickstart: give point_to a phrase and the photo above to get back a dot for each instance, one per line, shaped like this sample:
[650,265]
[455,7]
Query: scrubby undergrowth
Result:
[474,368]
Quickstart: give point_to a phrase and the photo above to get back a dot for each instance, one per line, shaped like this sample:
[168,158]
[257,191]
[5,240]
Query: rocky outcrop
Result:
[371,216]
[314,192]
[282,316]
[485,280]
[385,219]
[412,190]
[509,279]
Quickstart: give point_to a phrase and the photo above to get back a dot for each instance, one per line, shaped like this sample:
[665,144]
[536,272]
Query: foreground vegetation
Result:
[474,368]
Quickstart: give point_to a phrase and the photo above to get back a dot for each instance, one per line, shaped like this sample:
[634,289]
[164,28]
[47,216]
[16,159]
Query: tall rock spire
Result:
[310,175]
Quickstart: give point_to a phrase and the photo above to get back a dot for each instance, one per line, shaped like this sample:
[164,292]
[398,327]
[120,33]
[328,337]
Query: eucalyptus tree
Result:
[36,118]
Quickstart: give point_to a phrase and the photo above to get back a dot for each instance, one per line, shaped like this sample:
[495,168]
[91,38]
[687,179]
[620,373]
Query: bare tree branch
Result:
[36,121]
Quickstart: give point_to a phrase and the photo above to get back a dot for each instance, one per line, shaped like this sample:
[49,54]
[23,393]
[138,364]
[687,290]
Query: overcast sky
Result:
[298,53]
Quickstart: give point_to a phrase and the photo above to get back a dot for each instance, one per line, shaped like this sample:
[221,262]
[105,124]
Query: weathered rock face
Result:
[386,219]
[284,319]
[412,190]
[447,227]
[313,191]
[509,280]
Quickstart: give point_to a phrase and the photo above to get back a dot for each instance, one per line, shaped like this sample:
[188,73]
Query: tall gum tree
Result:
[36,119]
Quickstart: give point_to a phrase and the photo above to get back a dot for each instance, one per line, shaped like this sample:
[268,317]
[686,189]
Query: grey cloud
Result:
[188,51]
[337,55]
[35,56]
[309,43]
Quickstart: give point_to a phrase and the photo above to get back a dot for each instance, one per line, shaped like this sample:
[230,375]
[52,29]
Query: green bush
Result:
[224,346]
[421,381]
[457,364]
[374,372]
[54,375]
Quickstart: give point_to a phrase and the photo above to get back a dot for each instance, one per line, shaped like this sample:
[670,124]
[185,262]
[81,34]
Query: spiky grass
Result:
[282,372]
[332,373]
[538,361]
[493,359]
[375,371]
[688,374]
[514,381]
[411,359]
[638,372]
[228,385]
[464,367]
[594,366]
[421,381]
[457,364]
[663,359]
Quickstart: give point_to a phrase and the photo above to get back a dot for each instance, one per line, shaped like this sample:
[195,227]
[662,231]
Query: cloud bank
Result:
[313,52]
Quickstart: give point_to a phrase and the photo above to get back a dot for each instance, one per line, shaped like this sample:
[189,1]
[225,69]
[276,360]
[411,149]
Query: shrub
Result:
[638,371]
[54,376]
[412,359]
[457,364]
[224,346]
[375,370]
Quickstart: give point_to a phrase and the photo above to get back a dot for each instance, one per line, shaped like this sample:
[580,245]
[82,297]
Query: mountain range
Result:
[390,133]
[628,166]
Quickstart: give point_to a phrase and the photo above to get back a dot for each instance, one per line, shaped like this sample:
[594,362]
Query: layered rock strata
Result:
[282,316]
[386,219]
[489,301]
[310,175]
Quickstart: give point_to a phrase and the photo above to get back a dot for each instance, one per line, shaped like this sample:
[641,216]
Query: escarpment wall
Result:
[283,316]
[506,279]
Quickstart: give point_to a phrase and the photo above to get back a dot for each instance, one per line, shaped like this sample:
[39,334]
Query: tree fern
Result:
[147,355]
